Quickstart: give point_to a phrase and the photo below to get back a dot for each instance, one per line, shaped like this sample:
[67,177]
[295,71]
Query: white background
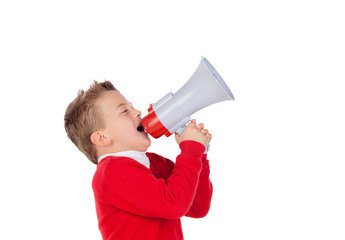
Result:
[278,150]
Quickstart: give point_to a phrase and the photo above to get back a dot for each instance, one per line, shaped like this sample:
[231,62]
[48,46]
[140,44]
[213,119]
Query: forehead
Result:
[111,99]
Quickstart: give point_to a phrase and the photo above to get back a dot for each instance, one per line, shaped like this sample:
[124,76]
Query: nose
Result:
[137,113]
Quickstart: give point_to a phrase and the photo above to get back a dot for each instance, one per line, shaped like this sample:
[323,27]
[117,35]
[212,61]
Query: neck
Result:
[135,155]
[103,151]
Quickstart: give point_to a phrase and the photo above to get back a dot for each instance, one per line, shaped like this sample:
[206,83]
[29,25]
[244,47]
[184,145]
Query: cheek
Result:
[119,131]
[113,127]
[122,128]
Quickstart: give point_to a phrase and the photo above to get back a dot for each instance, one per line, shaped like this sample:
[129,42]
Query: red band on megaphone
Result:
[153,125]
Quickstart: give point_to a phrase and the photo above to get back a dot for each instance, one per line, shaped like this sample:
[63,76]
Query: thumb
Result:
[177,138]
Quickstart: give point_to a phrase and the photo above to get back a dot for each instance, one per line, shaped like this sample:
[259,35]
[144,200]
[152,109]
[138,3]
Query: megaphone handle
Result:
[207,148]
[181,130]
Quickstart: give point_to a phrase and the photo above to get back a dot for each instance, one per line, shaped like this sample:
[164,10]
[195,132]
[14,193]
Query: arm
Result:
[132,187]
[202,199]
[203,195]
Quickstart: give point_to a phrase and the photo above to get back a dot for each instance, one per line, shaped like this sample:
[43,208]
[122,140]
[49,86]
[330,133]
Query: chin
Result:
[148,144]
[144,141]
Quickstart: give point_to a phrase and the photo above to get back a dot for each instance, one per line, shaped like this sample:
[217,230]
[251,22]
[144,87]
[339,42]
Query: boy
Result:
[138,195]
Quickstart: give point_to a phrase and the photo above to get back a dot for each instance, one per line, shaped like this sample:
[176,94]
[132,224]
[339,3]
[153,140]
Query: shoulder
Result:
[113,172]
[119,165]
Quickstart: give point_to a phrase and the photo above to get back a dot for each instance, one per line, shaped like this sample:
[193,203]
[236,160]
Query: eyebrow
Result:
[122,104]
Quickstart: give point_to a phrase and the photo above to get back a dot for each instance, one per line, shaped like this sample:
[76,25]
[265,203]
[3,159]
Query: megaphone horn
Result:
[171,113]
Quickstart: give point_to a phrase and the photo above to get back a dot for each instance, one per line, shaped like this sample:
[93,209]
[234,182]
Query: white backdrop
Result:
[278,152]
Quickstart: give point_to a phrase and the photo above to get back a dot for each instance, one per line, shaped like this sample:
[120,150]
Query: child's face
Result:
[121,124]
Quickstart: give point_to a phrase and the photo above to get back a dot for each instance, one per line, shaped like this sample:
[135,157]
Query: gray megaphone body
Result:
[171,113]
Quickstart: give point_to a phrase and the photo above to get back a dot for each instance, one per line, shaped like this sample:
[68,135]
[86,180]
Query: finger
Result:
[200,126]
[192,123]
[204,131]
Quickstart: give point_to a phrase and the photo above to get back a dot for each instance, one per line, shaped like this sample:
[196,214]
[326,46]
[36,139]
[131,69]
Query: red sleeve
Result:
[133,188]
[202,200]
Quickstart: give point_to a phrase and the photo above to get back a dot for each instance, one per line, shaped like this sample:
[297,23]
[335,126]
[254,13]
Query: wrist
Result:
[192,147]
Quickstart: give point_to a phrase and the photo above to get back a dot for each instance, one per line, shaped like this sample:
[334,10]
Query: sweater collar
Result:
[136,155]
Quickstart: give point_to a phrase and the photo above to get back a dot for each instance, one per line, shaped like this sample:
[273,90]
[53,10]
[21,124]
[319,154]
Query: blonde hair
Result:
[83,117]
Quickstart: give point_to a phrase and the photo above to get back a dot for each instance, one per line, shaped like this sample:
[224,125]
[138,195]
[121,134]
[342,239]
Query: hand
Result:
[196,133]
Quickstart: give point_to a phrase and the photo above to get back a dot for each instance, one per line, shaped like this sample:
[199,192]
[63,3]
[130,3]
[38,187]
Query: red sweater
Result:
[134,202]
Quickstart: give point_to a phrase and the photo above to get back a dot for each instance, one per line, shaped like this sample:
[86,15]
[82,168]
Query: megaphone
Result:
[172,112]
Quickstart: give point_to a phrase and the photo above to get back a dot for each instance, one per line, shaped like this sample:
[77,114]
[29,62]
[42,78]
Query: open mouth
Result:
[140,128]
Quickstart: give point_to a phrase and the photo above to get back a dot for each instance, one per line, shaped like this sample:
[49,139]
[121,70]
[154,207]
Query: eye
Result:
[126,110]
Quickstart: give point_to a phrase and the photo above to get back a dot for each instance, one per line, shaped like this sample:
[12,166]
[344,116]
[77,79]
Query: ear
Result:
[100,139]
